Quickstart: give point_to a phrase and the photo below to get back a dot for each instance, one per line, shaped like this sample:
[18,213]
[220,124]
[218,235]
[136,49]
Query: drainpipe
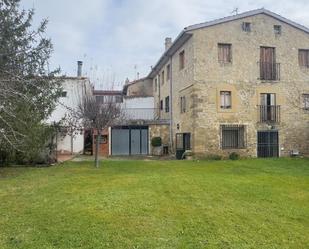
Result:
[171,105]
[159,90]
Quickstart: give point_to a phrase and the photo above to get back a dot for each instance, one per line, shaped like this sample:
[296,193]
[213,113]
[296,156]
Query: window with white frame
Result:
[225,99]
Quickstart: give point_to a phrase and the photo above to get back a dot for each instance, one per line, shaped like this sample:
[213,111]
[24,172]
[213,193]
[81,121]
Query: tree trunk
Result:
[56,147]
[72,143]
[97,144]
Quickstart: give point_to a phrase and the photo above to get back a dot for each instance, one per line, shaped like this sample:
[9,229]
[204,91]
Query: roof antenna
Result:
[235,11]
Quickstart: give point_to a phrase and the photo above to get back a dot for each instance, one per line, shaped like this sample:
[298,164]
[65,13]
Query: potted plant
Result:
[156,143]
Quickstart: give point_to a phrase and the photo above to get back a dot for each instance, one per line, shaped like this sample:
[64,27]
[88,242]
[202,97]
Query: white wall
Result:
[138,102]
[75,88]
[139,108]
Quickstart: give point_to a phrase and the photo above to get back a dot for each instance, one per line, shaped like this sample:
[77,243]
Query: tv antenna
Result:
[235,11]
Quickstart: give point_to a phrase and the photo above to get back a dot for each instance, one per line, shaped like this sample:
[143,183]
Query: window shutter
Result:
[228,99]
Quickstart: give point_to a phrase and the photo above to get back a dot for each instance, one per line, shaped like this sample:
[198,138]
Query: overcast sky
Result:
[118,38]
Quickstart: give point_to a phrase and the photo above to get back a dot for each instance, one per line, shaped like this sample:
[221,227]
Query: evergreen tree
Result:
[28,89]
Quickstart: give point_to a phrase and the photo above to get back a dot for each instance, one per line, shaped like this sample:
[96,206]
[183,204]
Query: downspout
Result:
[171,105]
[159,90]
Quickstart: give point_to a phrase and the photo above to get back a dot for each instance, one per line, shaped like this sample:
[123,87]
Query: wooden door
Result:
[267,63]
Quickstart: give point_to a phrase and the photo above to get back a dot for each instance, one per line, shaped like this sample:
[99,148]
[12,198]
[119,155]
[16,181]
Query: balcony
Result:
[269,71]
[269,113]
[140,113]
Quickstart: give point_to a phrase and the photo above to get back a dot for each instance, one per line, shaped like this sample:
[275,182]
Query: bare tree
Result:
[98,116]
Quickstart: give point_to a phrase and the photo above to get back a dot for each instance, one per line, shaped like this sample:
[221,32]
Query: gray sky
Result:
[118,38]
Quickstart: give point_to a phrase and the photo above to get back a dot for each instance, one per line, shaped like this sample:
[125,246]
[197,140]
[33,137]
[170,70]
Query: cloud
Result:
[117,38]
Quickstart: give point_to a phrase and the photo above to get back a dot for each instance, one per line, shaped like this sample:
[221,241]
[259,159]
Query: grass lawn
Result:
[157,204]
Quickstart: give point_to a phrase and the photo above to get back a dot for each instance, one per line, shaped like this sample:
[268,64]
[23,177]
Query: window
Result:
[232,136]
[277,29]
[268,99]
[167,104]
[162,78]
[306,101]
[303,57]
[168,72]
[156,84]
[182,60]
[269,69]
[161,105]
[99,99]
[118,99]
[269,111]
[224,53]
[183,141]
[64,94]
[159,79]
[226,99]
[246,26]
[182,104]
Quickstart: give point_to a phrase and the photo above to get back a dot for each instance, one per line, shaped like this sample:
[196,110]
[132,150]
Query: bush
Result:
[156,141]
[234,156]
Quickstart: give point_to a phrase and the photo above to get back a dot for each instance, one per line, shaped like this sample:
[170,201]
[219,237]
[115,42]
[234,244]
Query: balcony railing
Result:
[269,71]
[140,113]
[269,113]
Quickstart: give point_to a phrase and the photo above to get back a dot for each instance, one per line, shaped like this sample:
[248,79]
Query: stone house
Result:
[138,88]
[236,84]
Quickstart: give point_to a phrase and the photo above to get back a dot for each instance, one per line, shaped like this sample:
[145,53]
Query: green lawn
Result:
[157,204]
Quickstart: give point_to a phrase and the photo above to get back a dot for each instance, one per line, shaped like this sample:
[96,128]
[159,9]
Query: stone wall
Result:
[204,77]
[241,78]
[158,130]
[138,88]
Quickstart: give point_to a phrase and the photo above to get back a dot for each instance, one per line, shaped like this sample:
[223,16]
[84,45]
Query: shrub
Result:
[156,141]
[234,156]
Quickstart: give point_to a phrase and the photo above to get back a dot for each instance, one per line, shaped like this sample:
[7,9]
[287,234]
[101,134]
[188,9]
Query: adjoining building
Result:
[70,133]
[133,134]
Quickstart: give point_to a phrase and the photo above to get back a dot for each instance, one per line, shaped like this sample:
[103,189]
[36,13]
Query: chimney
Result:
[79,68]
[168,43]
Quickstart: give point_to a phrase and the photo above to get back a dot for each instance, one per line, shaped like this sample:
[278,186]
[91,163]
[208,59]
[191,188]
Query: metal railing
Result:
[140,113]
[269,71]
[269,113]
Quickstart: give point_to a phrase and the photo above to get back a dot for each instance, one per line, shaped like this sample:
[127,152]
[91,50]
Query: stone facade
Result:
[158,130]
[203,78]
[139,88]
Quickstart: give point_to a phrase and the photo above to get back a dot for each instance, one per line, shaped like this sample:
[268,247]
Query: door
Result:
[139,141]
[268,107]
[130,140]
[135,142]
[183,143]
[120,142]
[268,144]
[267,63]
